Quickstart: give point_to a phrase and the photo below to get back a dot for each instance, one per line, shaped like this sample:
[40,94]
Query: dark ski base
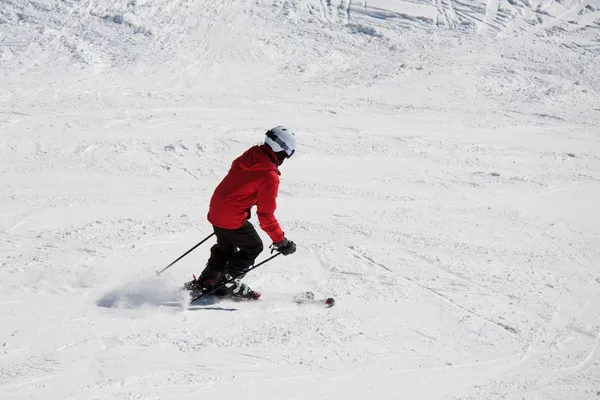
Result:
[298,298]
[213,298]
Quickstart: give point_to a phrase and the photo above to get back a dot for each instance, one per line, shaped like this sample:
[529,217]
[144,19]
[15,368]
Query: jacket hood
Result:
[257,158]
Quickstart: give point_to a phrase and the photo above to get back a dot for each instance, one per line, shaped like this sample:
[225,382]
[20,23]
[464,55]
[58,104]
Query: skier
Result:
[253,179]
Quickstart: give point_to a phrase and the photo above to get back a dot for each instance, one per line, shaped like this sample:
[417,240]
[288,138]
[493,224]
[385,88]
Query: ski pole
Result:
[184,254]
[234,278]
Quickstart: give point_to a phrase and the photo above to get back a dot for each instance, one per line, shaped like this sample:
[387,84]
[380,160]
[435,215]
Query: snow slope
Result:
[445,190]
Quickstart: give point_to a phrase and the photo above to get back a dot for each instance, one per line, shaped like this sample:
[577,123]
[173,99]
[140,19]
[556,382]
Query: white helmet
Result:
[281,139]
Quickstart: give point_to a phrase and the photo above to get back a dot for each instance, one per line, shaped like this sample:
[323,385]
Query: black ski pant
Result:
[234,252]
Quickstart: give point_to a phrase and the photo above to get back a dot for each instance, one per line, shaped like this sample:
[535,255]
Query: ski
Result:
[298,298]
[309,298]
[213,298]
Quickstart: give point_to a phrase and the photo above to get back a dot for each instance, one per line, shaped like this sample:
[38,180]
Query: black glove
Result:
[285,247]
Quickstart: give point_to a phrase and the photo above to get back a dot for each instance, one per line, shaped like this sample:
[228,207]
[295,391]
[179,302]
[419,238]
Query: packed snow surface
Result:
[445,190]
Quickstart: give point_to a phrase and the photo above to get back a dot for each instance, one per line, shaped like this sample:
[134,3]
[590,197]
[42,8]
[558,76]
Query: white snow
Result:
[445,190]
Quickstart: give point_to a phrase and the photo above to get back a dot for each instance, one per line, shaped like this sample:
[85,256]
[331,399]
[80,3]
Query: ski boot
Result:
[238,290]
[205,284]
[193,285]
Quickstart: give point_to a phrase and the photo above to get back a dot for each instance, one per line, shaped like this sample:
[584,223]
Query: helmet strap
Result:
[281,156]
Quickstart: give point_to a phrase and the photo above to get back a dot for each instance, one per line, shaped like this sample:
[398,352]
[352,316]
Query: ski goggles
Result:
[281,143]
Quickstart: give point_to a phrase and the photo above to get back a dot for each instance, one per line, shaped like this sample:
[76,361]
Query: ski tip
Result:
[330,302]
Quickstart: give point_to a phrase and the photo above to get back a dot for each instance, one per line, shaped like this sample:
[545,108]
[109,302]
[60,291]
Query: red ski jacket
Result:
[252,180]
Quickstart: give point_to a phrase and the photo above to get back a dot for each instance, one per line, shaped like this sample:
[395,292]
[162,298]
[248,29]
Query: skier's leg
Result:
[235,252]
[220,253]
[214,267]
[249,246]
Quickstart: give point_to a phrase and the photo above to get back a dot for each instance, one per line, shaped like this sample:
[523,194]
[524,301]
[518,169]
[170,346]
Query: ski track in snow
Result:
[444,191]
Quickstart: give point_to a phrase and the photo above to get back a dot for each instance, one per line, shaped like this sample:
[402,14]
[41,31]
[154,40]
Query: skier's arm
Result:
[265,208]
